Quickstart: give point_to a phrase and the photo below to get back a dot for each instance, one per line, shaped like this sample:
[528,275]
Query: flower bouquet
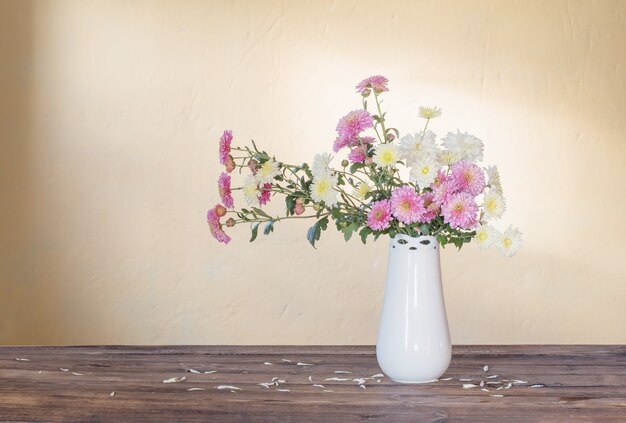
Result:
[421,191]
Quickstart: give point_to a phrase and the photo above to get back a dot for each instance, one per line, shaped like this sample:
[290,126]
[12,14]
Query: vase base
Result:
[415,382]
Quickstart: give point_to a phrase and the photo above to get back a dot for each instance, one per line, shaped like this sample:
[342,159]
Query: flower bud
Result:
[299,207]
[366,92]
[391,136]
[220,210]
[230,164]
[316,207]
[369,160]
[344,163]
[230,222]
[253,165]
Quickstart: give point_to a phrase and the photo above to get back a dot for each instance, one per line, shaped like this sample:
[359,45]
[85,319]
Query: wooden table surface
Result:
[125,383]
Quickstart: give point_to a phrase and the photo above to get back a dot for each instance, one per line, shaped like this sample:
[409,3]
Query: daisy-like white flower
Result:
[268,171]
[466,145]
[460,211]
[379,218]
[321,163]
[361,190]
[424,172]
[494,179]
[406,205]
[377,82]
[223,187]
[493,204]
[485,236]
[510,241]
[386,154]
[323,189]
[448,158]
[468,177]
[418,146]
[251,191]
[429,112]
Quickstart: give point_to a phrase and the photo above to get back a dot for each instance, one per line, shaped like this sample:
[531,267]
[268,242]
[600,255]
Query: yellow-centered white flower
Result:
[424,172]
[494,178]
[386,154]
[493,205]
[448,158]
[323,189]
[251,191]
[485,236]
[467,146]
[361,190]
[429,112]
[268,171]
[321,164]
[416,147]
[509,241]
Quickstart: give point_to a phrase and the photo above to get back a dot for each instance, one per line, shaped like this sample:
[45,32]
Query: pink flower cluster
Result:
[225,158]
[350,127]
[456,194]
[378,83]
[223,187]
[213,218]
[266,192]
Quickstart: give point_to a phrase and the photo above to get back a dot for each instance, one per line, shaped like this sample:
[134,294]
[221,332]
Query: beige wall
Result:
[110,112]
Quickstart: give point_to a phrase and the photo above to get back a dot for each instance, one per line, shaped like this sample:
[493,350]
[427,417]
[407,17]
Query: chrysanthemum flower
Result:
[406,205]
[460,211]
[485,236]
[378,83]
[510,241]
[467,146]
[448,158]
[350,126]
[223,187]
[494,178]
[230,164]
[386,154]
[379,218]
[424,172]
[494,204]
[215,226]
[251,191]
[362,190]
[417,147]
[323,189]
[357,155]
[225,141]
[321,164]
[431,208]
[268,171]
[468,177]
[266,192]
[429,112]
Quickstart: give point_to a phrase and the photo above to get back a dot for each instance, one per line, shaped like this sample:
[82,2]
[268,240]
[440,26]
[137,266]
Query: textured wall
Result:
[110,113]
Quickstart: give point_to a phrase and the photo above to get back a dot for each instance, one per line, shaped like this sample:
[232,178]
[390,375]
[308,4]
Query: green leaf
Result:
[269,227]
[425,229]
[290,203]
[364,233]
[255,230]
[348,230]
[315,231]
[261,212]
[355,167]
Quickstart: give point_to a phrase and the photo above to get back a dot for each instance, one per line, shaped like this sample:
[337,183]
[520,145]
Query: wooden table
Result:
[125,383]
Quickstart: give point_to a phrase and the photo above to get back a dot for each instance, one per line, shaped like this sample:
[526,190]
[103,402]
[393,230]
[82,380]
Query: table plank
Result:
[580,383]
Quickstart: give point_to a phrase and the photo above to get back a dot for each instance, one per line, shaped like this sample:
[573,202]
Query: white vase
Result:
[413,343]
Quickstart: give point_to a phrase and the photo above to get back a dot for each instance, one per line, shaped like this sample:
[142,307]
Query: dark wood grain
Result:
[581,384]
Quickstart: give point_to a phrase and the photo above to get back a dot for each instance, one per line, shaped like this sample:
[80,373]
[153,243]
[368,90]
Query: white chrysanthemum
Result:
[251,191]
[448,158]
[430,112]
[321,163]
[494,178]
[323,189]
[268,171]
[386,154]
[510,241]
[361,190]
[417,147]
[493,205]
[424,172]
[485,236]
[466,145]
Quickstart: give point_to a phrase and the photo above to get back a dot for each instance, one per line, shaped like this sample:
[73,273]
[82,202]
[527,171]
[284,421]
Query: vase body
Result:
[413,343]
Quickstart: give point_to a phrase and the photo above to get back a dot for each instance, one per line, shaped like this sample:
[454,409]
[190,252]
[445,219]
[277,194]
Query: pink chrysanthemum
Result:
[379,218]
[378,83]
[406,205]
[266,192]
[460,211]
[431,208]
[367,140]
[357,155]
[223,187]
[215,226]
[225,141]
[350,126]
[468,177]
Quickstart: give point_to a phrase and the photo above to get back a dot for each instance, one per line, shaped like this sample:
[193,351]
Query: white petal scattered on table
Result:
[196,389]
[378,375]
[496,395]
[230,387]
[22,359]
[469,385]
[363,386]
[210,371]
[342,372]
[175,379]
[303,364]
[486,368]
[319,386]
[112,394]
[337,379]
[283,390]
[64,370]
[194,371]
[536,386]
[267,363]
